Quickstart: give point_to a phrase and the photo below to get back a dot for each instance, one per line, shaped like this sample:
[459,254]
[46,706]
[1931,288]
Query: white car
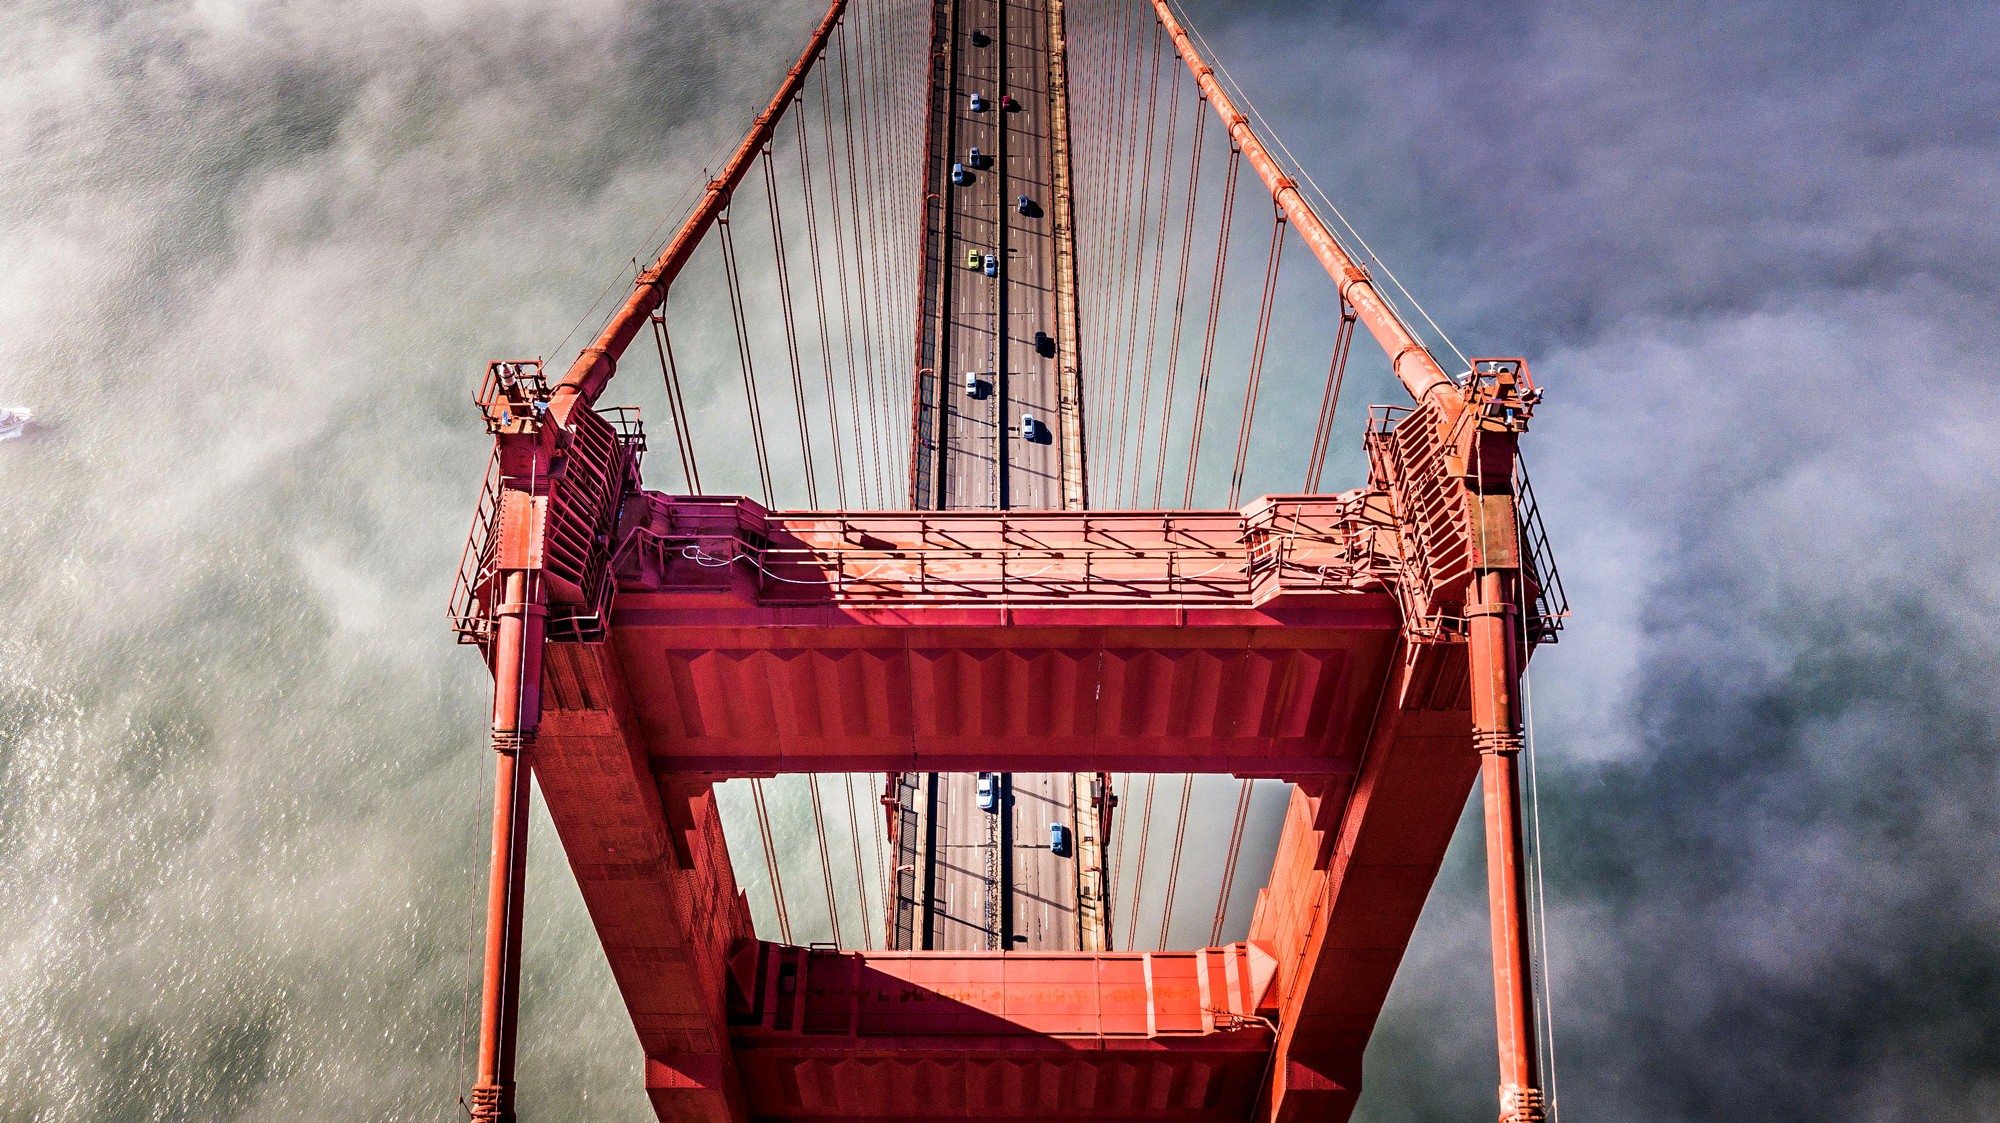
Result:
[13,419]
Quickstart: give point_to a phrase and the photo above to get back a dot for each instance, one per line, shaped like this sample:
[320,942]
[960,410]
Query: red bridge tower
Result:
[1365,647]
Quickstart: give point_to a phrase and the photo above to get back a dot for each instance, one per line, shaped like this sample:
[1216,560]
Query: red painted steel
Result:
[828,1036]
[1410,359]
[1366,646]
[594,367]
[516,658]
[1188,641]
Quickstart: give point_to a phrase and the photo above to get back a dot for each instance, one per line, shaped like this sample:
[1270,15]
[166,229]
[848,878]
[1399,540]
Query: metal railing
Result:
[602,457]
[1407,463]
[1538,565]
[468,609]
[960,558]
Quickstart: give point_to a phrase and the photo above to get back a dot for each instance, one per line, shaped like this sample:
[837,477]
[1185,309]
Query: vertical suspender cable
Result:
[1118,210]
[842,282]
[865,126]
[1537,898]
[1174,865]
[1336,373]
[855,210]
[1256,376]
[791,324]
[1229,861]
[683,434]
[771,860]
[1153,302]
[743,356]
[860,878]
[876,835]
[834,429]
[1122,791]
[1129,238]
[1137,266]
[825,856]
[1214,315]
[1139,867]
[868,64]
[1180,304]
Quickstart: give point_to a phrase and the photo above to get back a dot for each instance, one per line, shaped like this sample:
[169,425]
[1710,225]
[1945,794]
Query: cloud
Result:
[1748,251]
[256,254]
[256,257]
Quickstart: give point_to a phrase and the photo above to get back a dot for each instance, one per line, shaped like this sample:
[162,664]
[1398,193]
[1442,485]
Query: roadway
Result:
[991,322]
[989,878]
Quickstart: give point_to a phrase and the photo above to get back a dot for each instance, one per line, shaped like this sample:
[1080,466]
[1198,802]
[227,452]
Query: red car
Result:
[1008,104]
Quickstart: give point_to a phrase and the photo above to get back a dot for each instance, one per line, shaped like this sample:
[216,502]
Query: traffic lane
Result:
[973,343]
[974,347]
[1031,305]
[966,847]
[972,422]
[1043,894]
[1049,889]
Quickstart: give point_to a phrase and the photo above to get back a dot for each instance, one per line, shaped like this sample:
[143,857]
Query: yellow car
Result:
[972,259]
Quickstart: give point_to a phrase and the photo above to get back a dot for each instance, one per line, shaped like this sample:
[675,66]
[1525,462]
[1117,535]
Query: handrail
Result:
[599,361]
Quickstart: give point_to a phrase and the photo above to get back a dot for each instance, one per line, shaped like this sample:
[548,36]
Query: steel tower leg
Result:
[517,677]
[1496,721]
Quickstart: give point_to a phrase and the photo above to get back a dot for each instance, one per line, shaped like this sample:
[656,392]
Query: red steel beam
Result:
[1412,362]
[1496,680]
[517,677]
[1349,880]
[829,1037]
[653,867]
[599,361]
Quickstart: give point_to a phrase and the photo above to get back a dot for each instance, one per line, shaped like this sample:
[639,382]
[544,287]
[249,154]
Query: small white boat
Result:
[13,419]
